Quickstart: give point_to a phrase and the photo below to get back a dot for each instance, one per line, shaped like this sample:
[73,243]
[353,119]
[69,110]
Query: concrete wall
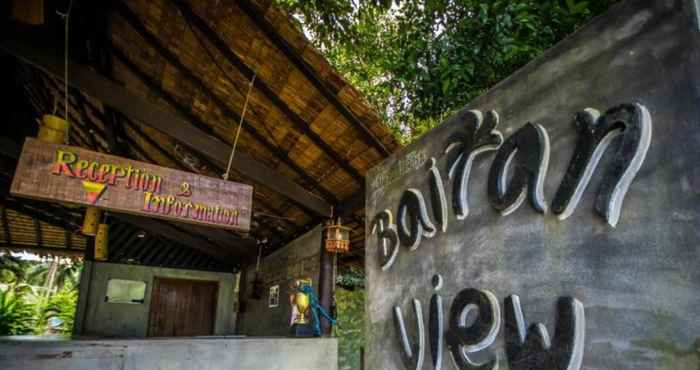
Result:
[172,354]
[300,258]
[638,282]
[95,317]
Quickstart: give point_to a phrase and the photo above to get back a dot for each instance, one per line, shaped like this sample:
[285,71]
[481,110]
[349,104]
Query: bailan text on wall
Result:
[74,175]
[518,172]
[556,217]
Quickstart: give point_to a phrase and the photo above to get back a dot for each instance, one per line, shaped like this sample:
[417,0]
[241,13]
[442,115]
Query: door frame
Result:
[155,300]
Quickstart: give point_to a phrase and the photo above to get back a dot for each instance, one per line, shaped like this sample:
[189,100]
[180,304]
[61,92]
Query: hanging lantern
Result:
[91,221]
[53,129]
[337,237]
[101,242]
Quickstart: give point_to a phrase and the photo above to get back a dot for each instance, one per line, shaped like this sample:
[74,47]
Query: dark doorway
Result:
[181,308]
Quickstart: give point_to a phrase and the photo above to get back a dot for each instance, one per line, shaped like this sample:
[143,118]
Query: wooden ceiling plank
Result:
[308,202]
[183,258]
[68,239]
[233,59]
[174,234]
[6,225]
[173,59]
[258,18]
[155,252]
[37,231]
[150,243]
[169,261]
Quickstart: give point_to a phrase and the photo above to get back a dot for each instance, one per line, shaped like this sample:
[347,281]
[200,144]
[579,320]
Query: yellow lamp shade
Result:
[91,221]
[101,242]
[53,129]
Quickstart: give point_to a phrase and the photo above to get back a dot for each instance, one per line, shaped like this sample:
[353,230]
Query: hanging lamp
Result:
[337,237]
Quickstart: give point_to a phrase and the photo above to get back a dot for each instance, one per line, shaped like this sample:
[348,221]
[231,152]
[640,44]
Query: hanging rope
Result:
[223,73]
[240,125]
[66,17]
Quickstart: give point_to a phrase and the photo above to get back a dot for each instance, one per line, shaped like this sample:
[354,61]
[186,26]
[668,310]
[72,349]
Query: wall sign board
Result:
[74,175]
[553,223]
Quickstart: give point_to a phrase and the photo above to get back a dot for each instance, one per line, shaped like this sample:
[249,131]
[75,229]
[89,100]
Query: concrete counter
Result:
[171,353]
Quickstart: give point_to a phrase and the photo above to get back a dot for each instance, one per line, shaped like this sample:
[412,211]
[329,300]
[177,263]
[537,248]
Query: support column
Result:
[326,283]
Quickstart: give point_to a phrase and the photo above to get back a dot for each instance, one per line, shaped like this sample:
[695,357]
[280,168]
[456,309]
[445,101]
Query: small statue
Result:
[304,300]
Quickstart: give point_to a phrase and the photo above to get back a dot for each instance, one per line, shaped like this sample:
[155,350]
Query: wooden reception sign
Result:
[70,174]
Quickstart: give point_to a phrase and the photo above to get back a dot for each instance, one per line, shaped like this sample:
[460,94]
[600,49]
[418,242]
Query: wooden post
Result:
[326,283]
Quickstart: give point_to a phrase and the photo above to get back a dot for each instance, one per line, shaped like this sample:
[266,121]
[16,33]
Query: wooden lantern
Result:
[102,243]
[91,221]
[53,129]
[337,237]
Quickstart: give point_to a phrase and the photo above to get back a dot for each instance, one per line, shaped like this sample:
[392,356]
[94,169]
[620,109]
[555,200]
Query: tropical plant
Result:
[350,329]
[12,269]
[16,315]
[55,274]
[418,61]
[350,277]
[56,314]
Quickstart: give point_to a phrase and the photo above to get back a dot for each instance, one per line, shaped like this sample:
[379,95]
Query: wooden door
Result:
[182,308]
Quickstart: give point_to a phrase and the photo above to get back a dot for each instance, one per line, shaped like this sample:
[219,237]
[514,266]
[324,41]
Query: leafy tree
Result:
[40,298]
[12,269]
[418,61]
[16,315]
[55,274]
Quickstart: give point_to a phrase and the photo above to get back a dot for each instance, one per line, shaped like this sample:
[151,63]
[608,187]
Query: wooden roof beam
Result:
[259,19]
[34,50]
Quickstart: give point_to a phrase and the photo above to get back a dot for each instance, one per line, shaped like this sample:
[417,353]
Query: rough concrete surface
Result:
[639,282]
[300,258]
[172,354]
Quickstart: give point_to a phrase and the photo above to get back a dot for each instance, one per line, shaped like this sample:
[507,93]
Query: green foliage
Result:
[350,309]
[12,269]
[67,272]
[59,306]
[16,315]
[350,277]
[33,300]
[418,61]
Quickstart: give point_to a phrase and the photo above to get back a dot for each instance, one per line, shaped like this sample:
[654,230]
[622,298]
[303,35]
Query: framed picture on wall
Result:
[273,299]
